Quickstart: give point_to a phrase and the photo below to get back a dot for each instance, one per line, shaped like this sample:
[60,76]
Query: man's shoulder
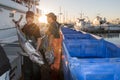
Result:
[55,24]
[34,25]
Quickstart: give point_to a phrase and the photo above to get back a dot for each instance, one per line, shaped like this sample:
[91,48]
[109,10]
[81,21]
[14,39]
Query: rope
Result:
[7,28]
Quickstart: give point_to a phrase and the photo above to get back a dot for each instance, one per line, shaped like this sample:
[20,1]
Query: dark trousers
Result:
[45,69]
[31,71]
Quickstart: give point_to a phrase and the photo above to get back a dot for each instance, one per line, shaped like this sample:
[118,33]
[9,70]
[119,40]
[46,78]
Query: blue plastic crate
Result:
[66,70]
[85,48]
[77,36]
[112,49]
[69,31]
[96,70]
[64,28]
[91,60]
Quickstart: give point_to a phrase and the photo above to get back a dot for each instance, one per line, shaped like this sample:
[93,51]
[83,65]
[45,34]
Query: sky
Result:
[91,8]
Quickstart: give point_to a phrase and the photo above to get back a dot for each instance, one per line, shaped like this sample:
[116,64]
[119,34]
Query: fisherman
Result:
[31,30]
[31,70]
[54,42]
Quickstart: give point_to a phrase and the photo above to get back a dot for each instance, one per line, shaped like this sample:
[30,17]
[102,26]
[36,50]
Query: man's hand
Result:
[55,66]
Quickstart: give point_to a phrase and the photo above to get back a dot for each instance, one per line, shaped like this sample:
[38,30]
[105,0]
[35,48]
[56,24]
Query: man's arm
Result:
[38,43]
[38,37]
[51,40]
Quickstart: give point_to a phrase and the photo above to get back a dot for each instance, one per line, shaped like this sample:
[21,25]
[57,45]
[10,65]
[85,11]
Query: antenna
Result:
[81,15]
[60,13]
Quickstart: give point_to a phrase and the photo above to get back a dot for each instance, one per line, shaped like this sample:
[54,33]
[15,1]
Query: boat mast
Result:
[81,15]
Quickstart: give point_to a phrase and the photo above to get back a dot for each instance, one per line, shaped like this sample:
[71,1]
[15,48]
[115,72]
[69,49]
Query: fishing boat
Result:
[82,24]
[10,35]
[12,9]
[99,25]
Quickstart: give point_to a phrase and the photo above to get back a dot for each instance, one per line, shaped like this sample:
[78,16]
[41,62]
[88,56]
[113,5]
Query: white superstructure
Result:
[81,24]
[12,9]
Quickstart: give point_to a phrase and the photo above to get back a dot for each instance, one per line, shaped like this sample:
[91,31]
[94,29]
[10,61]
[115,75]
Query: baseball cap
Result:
[52,15]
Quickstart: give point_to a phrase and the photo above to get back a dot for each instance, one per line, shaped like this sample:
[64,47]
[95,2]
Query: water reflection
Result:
[111,37]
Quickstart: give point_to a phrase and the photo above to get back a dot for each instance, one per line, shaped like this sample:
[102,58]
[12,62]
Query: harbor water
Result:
[111,37]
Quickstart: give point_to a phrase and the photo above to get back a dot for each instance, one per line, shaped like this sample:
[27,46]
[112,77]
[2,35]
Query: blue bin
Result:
[69,31]
[91,60]
[77,36]
[85,48]
[95,69]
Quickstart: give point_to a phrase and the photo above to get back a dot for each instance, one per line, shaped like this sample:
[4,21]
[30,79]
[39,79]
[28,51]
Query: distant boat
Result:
[99,24]
[81,24]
